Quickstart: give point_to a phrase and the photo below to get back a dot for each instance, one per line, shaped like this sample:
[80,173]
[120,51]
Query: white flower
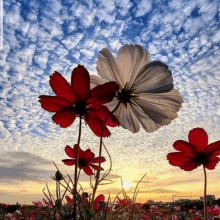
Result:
[146,92]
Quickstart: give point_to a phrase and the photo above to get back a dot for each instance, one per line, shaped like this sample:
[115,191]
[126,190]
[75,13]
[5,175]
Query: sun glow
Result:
[127,185]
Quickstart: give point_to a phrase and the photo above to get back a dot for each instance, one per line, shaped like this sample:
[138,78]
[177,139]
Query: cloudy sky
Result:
[43,36]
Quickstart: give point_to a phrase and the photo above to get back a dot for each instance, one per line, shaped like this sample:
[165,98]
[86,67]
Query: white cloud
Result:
[71,26]
[143,8]
[42,59]
[18,103]
[193,25]
[209,11]
[72,40]
[216,37]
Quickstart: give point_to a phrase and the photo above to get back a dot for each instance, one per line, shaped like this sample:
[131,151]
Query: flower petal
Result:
[69,151]
[81,82]
[53,103]
[147,123]
[131,59]
[185,147]
[69,162]
[178,159]
[62,88]
[95,167]
[213,149]
[189,166]
[95,124]
[96,160]
[127,118]
[199,138]
[167,102]
[154,77]
[64,118]
[111,105]
[80,151]
[99,198]
[102,112]
[103,93]
[107,67]
[212,162]
[96,81]
[69,200]
[88,154]
[88,170]
[160,116]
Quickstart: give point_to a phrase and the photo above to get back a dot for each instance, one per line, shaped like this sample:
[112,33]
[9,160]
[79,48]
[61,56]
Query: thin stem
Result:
[76,165]
[205,201]
[100,153]
[135,196]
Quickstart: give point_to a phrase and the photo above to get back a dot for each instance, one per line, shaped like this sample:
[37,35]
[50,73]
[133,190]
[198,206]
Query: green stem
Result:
[76,165]
[205,200]
[100,153]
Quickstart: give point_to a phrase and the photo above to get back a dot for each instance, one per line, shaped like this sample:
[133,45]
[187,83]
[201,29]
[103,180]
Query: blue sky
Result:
[41,37]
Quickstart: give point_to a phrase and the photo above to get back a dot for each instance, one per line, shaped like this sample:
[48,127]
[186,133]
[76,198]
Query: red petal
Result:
[102,112]
[185,147]
[95,167]
[102,94]
[99,198]
[53,103]
[95,123]
[213,149]
[69,151]
[199,138]
[212,162]
[69,162]
[189,166]
[88,154]
[69,200]
[88,170]
[80,152]
[62,88]
[64,118]
[81,83]
[178,159]
[96,160]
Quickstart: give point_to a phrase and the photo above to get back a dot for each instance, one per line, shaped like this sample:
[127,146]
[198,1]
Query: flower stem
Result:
[205,201]
[76,165]
[100,152]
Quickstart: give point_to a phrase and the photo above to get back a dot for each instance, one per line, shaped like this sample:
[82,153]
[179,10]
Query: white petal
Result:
[127,118]
[162,108]
[147,123]
[169,101]
[107,67]
[154,77]
[96,81]
[111,105]
[131,59]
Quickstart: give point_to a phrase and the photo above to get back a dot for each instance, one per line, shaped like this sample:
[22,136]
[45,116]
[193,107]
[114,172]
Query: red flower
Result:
[98,199]
[69,200]
[86,159]
[78,100]
[123,202]
[196,152]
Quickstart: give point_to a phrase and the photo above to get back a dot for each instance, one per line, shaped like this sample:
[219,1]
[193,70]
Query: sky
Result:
[43,36]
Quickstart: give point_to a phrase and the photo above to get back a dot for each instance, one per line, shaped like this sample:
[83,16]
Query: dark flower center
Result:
[82,162]
[124,96]
[80,108]
[201,158]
